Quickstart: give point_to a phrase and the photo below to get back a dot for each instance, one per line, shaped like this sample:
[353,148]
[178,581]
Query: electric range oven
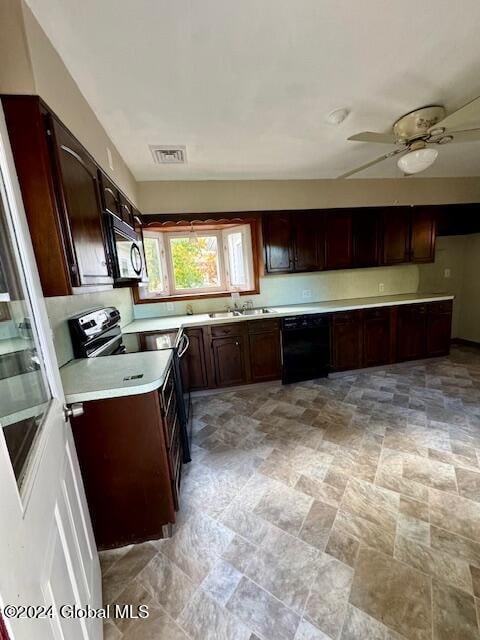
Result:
[97,333]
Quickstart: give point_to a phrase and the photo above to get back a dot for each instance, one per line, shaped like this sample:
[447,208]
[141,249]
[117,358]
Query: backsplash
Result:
[292,289]
[61,308]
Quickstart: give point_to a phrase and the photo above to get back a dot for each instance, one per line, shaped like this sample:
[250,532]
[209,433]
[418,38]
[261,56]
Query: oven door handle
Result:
[183,350]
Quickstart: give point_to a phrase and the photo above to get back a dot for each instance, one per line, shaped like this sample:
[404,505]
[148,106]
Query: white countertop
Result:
[167,323]
[110,376]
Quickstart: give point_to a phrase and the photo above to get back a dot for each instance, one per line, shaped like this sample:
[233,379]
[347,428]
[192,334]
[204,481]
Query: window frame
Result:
[163,230]
[169,235]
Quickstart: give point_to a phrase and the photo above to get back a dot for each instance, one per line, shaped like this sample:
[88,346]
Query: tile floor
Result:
[346,508]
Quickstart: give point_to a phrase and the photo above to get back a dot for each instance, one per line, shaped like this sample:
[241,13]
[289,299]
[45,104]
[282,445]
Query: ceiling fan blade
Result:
[370,164]
[469,135]
[468,115]
[371,136]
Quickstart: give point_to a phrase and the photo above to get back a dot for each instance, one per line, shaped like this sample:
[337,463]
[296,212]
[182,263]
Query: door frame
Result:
[20,235]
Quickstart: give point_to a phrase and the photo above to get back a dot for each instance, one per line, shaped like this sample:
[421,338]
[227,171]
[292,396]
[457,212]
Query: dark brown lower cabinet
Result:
[411,331]
[250,351]
[229,360]
[265,350]
[347,340]
[439,328]
[131,475]
[376,337]
[194,363]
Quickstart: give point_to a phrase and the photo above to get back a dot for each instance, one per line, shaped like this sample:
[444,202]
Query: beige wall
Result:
[61,308]
[16,73]
[248,195]
[470,308]
[30,65]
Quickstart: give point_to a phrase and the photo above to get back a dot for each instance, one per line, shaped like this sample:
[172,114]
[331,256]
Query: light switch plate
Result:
[447,273]
[381,287]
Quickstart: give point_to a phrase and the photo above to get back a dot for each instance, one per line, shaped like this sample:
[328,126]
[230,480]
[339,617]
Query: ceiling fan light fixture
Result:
[417,160]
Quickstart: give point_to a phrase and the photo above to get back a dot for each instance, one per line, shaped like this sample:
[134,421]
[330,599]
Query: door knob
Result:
[74,410]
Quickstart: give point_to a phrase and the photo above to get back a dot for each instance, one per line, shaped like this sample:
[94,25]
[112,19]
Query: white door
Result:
[48,556]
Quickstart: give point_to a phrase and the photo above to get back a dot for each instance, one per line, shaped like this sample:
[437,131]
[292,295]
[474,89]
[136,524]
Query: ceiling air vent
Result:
[169,154]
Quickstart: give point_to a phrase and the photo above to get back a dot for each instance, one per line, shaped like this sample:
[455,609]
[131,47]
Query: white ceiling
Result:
[245,85]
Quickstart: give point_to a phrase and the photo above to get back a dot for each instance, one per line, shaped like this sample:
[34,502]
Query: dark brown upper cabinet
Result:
[308,241]
[338,239]
[396,235]
[277,238]
[293,241]
[79,196]
[366,238]
[423,226]
[110,196]
[126,210]
[62,199]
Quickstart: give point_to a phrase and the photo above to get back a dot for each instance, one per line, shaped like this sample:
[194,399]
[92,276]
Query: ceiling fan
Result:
[414,134]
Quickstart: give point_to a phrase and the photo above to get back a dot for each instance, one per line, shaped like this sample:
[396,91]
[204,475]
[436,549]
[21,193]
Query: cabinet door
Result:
[110,196]
[365,231]
[396,235]
[277,240]
[423,234]
[376,337]
[308,241]
[229,360]
[126,210]
[80,200]
[193,364]
[338,240]
[411,331]
[265,357]
[347,340]
[439,328]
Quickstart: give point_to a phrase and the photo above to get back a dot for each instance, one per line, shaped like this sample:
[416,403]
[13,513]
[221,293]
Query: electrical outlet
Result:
[170,306]
[235,295]
[306,294]
[447,273]
[381,287]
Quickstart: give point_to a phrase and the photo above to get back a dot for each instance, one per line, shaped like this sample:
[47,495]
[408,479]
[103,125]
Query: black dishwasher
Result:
[305,347]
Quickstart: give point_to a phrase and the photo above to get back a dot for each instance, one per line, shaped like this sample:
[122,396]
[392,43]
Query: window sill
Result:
[190,296]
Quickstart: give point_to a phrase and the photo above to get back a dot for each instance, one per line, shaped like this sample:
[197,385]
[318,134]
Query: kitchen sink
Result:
[225,314]
[243,312]
[257,312]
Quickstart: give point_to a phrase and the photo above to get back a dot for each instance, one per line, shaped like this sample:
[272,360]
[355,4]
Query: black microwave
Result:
[128,257]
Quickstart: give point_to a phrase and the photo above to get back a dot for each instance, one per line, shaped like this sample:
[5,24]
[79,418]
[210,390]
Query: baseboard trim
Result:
[464,342]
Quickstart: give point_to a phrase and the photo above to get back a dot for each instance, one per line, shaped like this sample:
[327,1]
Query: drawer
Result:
[341,317]
[378,312]
[445,306]
[263,326]
[225,330]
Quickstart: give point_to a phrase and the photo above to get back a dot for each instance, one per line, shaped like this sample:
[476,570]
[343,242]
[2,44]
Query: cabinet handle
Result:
[237,344]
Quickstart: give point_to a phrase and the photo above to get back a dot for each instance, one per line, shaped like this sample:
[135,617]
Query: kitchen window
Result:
[198,261]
